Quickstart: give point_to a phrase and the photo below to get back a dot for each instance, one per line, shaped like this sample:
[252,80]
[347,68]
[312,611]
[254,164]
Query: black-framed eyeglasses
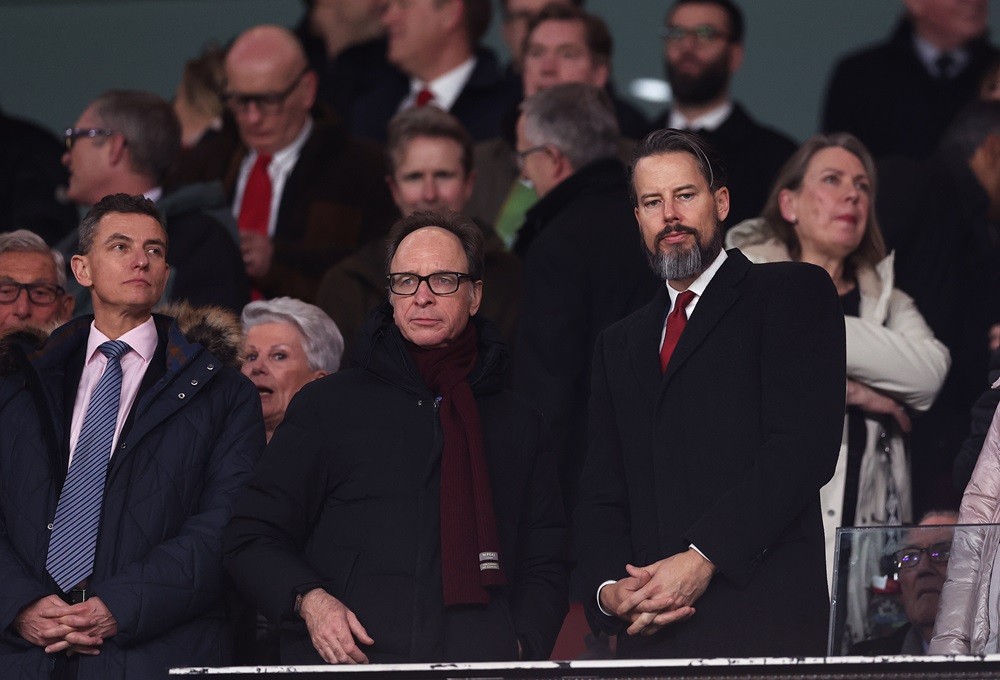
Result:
[72,134]
[267,103]
[38,293]
[523,155]
[907,558]
[440,283]
[703,34]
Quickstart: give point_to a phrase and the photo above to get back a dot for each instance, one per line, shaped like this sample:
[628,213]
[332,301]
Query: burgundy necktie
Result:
[255,209]
[424,97]
[676,321]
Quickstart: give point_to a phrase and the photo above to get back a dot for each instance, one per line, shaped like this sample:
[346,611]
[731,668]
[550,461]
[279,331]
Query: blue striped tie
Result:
[78,515]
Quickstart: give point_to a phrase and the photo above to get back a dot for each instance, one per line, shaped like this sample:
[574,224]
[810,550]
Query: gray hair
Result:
[575,118]
[24,241]
[321,339]
[149,126]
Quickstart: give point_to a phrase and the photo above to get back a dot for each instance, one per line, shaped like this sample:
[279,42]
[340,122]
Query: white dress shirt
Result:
[929,54]
[142,339]
[282,164]
[707,121]
[445,88]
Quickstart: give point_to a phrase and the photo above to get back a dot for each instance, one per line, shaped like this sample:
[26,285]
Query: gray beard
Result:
[677,265]
[685,264]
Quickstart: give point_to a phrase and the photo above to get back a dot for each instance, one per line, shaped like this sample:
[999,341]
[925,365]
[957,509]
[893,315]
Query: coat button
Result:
[123,446]
[420,402]
[194,382]
[211,367]
[49,526]
[181,395]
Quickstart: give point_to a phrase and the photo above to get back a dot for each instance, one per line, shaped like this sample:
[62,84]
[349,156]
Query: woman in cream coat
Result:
[821,211]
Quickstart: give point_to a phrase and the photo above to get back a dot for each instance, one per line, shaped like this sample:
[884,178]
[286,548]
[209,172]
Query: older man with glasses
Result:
[407,509]
[32,283]
[304,193]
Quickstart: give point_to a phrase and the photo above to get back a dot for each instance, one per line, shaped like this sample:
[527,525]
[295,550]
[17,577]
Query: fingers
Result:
[335,652]
[902,418]
[358,630]
[640,623]
[674,616]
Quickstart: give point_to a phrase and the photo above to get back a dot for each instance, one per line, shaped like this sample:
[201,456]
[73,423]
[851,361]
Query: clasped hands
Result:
[659,594]
[73,628]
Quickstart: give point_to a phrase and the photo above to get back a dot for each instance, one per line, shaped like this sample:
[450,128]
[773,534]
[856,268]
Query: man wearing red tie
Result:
[715,417]
[305,194]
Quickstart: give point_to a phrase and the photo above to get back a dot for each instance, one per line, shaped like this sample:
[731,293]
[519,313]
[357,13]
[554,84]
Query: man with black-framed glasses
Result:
[32,283]
[303,192]
[423,522]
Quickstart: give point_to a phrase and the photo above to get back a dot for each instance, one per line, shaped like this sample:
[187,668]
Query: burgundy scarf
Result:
[470,558]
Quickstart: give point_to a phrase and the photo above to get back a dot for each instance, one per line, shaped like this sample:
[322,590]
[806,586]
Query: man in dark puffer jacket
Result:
[187,434]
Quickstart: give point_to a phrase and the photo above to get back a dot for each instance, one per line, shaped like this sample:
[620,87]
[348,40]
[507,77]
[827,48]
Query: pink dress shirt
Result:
[142,339]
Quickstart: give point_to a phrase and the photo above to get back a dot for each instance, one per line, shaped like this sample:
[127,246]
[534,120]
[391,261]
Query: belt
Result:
[78,595]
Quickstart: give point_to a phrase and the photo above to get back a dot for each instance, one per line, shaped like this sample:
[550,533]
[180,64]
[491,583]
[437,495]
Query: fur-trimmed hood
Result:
[216,329]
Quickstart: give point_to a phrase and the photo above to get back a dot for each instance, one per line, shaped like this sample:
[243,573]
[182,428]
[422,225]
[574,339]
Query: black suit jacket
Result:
[885,96]
[480,106]
[727,451]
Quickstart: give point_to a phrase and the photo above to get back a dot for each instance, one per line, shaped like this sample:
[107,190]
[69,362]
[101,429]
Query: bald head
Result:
[268,87]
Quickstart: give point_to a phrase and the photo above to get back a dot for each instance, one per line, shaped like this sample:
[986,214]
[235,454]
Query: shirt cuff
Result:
[599,598]
[691,547]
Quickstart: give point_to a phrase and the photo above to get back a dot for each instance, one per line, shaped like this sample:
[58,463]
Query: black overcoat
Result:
[727,451]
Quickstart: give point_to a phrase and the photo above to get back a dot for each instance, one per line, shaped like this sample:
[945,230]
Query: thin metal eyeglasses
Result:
[907,558]
[72,134]
[267,103]
[523,155]
[38,293]
[440,283]
[702,34]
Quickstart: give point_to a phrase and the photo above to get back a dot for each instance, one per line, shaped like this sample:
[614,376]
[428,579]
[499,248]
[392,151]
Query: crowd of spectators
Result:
[426,247]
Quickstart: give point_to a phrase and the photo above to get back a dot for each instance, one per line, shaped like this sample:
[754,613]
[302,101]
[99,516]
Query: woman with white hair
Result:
[288,343]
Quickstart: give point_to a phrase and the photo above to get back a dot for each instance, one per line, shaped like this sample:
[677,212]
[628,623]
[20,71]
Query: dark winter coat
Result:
[189,444]
[347,499]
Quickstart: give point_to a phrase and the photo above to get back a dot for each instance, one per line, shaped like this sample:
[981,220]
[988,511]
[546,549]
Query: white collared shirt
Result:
[282,164]
[445,88]
[929,54]
[142,339]
[697,287]
[154,194]
[707,121]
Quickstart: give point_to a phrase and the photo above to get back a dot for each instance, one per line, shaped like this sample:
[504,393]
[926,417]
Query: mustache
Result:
[667,231]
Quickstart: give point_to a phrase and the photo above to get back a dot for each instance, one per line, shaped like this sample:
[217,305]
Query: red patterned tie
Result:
[255,210]
[676,321]
[424,97]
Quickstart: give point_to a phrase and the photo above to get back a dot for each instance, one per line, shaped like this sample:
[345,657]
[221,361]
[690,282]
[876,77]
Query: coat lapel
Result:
[720,295]
[644,343]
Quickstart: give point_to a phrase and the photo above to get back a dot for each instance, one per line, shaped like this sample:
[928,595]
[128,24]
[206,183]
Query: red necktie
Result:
[255,210]
[676,321]
[424,97]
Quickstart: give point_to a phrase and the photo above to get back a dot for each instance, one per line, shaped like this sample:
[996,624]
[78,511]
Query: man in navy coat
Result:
[699,528]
